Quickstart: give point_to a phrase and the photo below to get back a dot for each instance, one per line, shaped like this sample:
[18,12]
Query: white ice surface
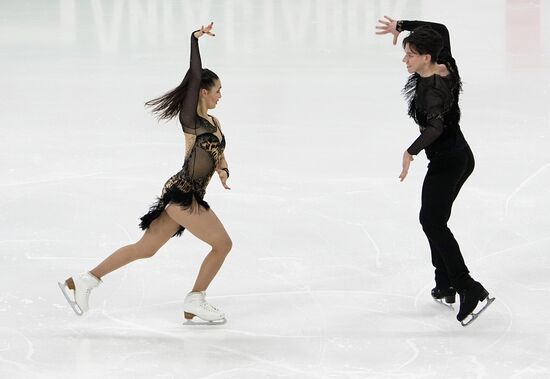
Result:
[330,272]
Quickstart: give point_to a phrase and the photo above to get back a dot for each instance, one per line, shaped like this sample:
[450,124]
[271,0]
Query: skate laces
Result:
[209,307]
[86,293]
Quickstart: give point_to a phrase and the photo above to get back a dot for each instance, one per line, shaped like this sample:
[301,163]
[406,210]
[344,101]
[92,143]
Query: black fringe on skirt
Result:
[183,199]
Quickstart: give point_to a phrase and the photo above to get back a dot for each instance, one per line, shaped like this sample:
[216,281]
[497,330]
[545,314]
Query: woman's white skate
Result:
[195,305]
[78,298]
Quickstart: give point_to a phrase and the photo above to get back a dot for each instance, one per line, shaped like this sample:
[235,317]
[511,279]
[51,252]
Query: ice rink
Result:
[330,272]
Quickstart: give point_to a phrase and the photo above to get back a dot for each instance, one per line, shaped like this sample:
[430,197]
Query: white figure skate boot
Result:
[195,304]
[78,297]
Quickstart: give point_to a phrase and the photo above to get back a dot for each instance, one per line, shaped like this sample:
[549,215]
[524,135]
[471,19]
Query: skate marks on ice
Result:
[293,330]
[14,339]
[522,185]
[209,338]
[182,335]
[340,321]
[305,334]
[362,227]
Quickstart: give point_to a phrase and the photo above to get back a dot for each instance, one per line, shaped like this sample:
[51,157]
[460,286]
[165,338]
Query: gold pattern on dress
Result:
[184,181]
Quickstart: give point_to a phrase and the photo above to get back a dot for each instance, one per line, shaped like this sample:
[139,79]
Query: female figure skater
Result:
[181,205]
[432,91]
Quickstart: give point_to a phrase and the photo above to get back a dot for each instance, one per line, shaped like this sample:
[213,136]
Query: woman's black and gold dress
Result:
[204,150]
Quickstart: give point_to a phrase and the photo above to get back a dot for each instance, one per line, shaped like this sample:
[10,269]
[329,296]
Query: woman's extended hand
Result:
[205,30]
[407,159]
[389,25]
[223,178]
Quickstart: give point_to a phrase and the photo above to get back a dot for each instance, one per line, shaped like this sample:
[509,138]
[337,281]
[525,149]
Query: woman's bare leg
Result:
[206,226]
[158,233]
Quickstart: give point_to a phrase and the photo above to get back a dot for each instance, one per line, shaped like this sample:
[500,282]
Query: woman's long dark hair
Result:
[168,105]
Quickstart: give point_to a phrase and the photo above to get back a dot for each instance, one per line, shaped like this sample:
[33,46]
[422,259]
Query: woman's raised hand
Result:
[205,30]
[389,25]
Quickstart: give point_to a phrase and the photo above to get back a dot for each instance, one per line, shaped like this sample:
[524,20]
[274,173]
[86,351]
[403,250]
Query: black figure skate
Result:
[469,298]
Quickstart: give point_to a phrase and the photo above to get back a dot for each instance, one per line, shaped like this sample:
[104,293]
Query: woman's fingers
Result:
[207,29]
[403,174]
[223,179]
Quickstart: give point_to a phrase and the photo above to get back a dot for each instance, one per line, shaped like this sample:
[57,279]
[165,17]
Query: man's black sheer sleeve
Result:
[435,124]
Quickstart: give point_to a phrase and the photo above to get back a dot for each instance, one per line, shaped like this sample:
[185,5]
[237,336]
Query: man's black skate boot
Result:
[447,293]
[469,298]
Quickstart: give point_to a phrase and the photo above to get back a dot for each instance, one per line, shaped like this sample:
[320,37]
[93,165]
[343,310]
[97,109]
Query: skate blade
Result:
[447,305]
[189,317]
[72,303]
[201,322]
[474,316]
